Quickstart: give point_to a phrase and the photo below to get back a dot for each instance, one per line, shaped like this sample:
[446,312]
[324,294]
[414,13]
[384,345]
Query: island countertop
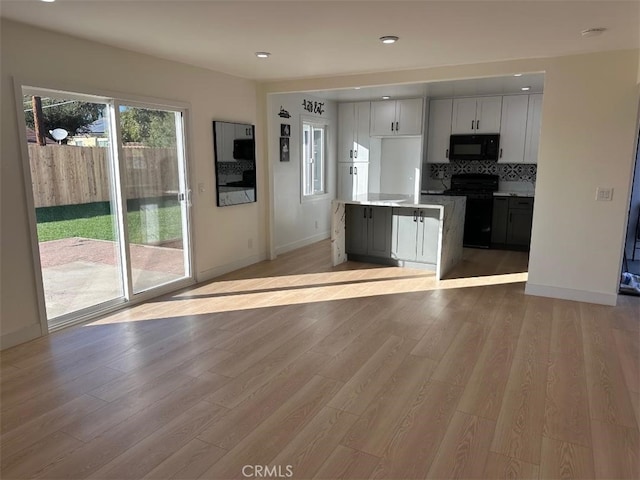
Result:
[445,237]
[408,201]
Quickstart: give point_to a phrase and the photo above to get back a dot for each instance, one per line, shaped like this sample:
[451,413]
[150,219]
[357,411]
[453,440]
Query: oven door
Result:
[477,222]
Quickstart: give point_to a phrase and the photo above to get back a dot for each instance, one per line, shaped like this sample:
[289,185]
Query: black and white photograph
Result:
[284,149]
[285,130]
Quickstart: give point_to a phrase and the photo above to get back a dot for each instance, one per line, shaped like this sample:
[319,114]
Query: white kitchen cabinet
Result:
[440,112]
[532,137]
[476,115]
[415,235]
[353,132]
[396,117]
[353,180]
[513,127]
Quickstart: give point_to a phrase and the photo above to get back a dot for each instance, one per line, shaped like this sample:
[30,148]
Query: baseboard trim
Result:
[23,335]
[229,267]
[302,243]
[571,294]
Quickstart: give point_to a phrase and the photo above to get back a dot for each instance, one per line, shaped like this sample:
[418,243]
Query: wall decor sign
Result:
[285,130]
[283,113]
[284,149]
[313,107]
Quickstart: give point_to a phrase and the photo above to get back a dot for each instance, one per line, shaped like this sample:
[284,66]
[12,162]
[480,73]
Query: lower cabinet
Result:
[353,180]
[415,235]
[511,224]
[368,231]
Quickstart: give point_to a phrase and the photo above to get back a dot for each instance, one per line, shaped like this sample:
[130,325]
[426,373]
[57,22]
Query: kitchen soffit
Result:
[457,88]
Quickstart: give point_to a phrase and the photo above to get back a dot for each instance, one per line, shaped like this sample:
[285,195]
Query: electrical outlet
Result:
[604,194]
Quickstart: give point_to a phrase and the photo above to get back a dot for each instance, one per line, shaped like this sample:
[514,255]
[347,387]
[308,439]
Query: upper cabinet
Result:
[476,115]
[439,130]
[512,128]
[396,117]
[532,138]
[353,132]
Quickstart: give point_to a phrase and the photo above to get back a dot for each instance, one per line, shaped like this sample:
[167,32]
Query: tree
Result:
[74,116]
[151,128]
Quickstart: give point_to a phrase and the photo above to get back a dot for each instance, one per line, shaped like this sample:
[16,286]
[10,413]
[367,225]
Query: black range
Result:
[478,188]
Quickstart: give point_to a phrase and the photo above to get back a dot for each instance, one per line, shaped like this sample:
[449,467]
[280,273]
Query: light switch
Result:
[604,194]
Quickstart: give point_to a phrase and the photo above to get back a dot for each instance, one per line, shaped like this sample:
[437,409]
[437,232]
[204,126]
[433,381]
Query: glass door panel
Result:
[72,173]
[152,176]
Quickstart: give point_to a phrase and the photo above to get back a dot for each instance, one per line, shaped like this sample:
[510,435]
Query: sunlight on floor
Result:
[233,295]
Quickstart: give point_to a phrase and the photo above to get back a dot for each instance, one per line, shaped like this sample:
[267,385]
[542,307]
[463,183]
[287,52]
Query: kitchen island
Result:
[398,230]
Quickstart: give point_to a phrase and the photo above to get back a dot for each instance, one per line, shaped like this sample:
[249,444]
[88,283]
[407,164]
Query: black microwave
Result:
[474,147]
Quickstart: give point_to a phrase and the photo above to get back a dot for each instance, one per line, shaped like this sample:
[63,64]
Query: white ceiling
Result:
[320,38]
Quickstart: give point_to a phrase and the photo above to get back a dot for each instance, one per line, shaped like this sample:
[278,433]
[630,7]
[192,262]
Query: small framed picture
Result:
[285,130]
[284,149]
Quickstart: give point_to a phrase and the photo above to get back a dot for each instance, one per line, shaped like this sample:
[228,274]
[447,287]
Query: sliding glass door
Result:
[152,155]
[110,197]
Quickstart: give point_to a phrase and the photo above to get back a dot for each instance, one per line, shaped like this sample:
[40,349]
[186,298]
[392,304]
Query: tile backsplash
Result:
[508,172]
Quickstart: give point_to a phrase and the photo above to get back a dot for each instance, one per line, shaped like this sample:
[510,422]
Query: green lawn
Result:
[169,222]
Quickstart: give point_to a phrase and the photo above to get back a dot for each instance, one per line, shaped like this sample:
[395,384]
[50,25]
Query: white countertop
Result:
[408,201]
[512,194]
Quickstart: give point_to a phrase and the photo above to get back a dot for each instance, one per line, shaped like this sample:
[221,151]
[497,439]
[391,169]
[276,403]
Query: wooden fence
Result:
[69,175]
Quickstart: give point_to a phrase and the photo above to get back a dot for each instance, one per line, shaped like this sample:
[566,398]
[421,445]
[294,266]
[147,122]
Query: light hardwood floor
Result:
[351,372]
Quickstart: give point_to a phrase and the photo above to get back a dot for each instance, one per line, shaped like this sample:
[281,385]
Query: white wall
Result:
[297,223]
[221,235]
[587,140]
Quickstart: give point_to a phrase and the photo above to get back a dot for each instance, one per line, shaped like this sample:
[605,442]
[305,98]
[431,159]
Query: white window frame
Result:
[322,123]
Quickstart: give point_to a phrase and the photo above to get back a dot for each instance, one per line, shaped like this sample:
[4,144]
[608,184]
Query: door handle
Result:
[421,217]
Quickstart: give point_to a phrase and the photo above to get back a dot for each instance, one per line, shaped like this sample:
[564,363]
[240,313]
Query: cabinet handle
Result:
[477,124]
[370,212]
[397,126]
[421,217]
[510,216]
[500,153]
[392,126]
[365,213]
[350,170]
[446,155]
[472,122]
[355,154]
[355,170]
[415,216]
[350,153]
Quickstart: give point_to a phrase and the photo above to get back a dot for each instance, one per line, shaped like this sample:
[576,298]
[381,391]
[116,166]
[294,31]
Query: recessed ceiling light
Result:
[593,32]
[389,39]
[517,74]
[262,54]
[386,97]
[525,89]
[49,1]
